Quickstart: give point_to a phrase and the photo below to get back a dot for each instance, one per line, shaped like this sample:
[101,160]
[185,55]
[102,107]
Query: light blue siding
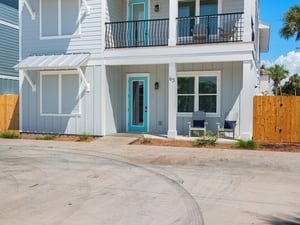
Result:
[8,86]
[89,39]
[9,11]
[87,122]
[9,46]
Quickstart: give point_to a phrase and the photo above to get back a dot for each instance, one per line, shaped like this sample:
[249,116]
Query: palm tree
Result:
[294,82]
[278,73]
[291,23]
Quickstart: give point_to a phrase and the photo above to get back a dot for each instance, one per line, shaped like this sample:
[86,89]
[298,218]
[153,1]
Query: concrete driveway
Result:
[108,182]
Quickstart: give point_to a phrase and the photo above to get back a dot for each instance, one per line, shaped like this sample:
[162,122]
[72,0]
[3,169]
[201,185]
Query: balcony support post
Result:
[173,14]
[248,7]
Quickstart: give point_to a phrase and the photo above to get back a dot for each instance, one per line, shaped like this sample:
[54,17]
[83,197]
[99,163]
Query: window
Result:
[199,91]
[59,93]
[59,18]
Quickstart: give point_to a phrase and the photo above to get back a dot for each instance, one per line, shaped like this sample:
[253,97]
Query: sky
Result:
[281,51]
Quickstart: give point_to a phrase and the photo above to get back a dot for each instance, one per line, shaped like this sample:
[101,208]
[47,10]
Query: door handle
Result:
[146,109]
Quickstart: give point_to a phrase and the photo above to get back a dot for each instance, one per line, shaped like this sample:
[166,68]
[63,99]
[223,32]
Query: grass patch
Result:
[45,137]
[84,137]
[250,144]
[208,139]
[145,141]
[9,135]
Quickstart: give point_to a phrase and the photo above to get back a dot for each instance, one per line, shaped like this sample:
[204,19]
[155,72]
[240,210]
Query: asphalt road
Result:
[108,182]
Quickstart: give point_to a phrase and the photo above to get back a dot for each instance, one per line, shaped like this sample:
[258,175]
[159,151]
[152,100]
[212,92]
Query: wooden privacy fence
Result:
[276,119]
[9,113]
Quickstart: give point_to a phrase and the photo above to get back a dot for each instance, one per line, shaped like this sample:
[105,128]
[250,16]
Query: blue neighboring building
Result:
[9,46]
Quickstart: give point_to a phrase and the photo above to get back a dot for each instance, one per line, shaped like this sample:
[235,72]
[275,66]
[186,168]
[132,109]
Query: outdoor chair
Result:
[228,30]
[198,122]
[229,124]
[199,32]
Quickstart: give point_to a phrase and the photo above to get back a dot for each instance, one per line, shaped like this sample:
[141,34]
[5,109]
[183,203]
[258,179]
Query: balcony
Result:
[190,30]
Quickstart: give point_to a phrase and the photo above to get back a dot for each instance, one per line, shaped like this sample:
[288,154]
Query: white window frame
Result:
[59,25]
[59,74]
[196,75]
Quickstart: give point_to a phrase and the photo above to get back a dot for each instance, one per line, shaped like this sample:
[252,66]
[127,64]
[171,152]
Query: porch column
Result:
[173,14]
[103,96]
[246,101]
[248,9]
[172,103]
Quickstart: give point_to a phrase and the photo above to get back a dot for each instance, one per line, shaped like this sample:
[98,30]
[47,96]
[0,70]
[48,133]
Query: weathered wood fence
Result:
[9,113]
[276,119]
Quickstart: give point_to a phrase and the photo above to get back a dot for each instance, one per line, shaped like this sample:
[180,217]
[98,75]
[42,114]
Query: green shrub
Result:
[145,141]
[249,144]
[9,135]
[208,139]
[84,137]
[45,137]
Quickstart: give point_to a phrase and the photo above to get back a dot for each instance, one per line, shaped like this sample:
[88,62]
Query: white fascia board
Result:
[2,22]
[181,54]
[7,77]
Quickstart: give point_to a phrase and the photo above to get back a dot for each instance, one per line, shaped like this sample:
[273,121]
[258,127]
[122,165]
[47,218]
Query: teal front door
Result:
[138,27]
[138,104]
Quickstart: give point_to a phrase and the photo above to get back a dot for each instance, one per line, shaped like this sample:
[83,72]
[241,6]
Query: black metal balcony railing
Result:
[216,28]
[139,33]
[210,29]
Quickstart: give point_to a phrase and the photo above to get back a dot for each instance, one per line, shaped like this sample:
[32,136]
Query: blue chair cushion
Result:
[229,124]
[198,123]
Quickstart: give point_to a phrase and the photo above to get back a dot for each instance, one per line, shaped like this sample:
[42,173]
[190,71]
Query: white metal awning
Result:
[53,62]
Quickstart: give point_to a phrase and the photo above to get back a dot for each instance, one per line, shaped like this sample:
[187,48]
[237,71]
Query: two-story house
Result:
[103,67]
[9,46]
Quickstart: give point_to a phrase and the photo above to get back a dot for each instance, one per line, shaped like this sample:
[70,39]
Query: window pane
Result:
[50,94]
[69,94]
[49,16]
[185,85]
[207,85]
[208,104]
[69,16]
[185,104]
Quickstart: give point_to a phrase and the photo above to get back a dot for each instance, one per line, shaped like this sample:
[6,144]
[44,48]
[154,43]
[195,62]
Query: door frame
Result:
[147,8]
[137,75]
[130,4]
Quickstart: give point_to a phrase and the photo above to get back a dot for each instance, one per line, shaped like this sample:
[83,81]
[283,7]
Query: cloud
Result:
[291,62]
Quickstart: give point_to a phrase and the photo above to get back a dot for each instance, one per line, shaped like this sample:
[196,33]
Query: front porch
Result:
[166,107]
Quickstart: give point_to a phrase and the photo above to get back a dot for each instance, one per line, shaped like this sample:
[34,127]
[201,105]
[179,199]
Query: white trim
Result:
[59,34]
[11,25]
[32,13]
[6,77]
[137,75]
[196,75]
[86,83]
[60,87]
